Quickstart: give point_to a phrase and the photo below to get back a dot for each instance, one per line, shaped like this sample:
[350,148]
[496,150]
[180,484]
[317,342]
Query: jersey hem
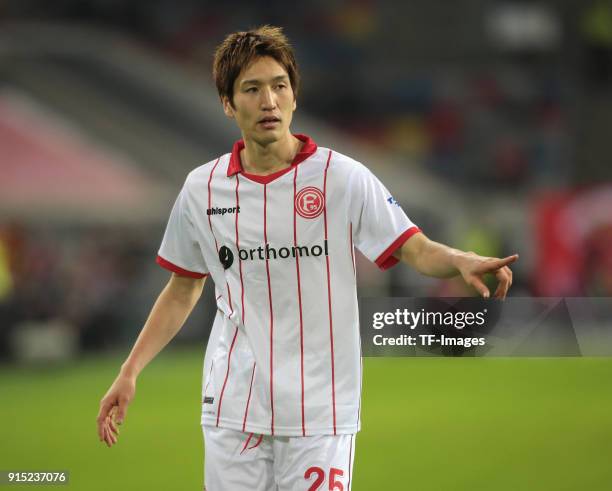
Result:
[386,259]
[164,263]
[279,431]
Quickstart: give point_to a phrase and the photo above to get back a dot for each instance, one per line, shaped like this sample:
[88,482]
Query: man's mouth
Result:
[269,122]
[269,119]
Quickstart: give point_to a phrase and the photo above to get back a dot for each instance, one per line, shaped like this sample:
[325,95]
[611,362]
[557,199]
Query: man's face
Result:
[263,101]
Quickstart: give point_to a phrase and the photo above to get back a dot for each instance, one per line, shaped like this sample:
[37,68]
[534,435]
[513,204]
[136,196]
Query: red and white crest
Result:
[309,202]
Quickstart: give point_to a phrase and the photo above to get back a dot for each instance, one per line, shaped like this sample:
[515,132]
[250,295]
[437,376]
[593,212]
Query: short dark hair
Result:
[241,48]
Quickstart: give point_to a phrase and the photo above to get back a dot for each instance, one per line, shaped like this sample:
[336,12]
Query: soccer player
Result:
[274,223]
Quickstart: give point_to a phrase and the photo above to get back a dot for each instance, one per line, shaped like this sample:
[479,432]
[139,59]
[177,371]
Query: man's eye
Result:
[281,86]
[251,89]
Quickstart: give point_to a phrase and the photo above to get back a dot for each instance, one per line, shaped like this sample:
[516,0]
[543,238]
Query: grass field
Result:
[429,424]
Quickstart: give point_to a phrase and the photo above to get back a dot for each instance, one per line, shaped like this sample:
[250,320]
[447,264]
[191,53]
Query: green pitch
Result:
[429,424]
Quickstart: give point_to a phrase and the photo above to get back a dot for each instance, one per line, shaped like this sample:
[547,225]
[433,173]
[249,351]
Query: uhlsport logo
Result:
[309,202]
[222,211]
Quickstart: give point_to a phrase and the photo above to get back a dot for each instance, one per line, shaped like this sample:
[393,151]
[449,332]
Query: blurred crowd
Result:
[479,95]
[84,284]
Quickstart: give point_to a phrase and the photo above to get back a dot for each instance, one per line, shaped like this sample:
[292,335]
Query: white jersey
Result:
[284,354]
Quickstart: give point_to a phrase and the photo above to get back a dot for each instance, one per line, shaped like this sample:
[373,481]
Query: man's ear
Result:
[227,107]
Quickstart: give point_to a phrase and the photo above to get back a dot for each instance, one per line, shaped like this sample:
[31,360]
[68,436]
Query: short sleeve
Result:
[380,226]
[180,251]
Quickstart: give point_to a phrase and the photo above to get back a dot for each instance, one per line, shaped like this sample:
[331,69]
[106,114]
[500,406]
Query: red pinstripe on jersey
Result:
[229,356]
[299,286]
[329,301]
[229,296]
[229,359]
[229,292]
[246,409]
[360,352]
[238,248]
[210,203]
[271,313]
[257,442]
[246,443]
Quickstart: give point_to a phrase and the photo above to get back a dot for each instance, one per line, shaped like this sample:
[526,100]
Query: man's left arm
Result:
[434,259]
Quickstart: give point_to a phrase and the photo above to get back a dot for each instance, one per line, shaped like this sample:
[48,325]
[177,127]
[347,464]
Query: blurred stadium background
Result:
[488,120]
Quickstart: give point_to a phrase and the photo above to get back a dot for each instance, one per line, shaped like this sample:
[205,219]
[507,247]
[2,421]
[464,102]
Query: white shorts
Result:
[236,461]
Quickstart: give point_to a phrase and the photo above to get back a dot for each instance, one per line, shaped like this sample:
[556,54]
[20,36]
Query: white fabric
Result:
[270,359]
[377,218]
[180,243]
[237,461]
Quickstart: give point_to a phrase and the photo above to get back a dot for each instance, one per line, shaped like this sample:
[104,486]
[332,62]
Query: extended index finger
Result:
[500,263]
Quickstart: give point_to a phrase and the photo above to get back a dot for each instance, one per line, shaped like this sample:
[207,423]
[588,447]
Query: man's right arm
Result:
[167,316]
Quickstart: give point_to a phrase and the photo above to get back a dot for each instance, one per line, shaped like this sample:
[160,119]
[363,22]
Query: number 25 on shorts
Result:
[320,473]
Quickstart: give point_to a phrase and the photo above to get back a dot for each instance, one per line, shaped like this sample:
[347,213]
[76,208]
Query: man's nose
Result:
[267,98]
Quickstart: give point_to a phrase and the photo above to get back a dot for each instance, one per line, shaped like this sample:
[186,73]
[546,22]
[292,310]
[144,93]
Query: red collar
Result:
[235,165]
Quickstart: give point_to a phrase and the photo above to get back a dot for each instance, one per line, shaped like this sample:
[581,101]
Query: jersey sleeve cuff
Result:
[386,259]
[177,269]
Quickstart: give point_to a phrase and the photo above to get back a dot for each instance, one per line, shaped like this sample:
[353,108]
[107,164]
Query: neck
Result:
[270,158]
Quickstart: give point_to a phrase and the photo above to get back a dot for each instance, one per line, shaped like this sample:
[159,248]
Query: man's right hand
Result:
[113,408]
[171,308]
